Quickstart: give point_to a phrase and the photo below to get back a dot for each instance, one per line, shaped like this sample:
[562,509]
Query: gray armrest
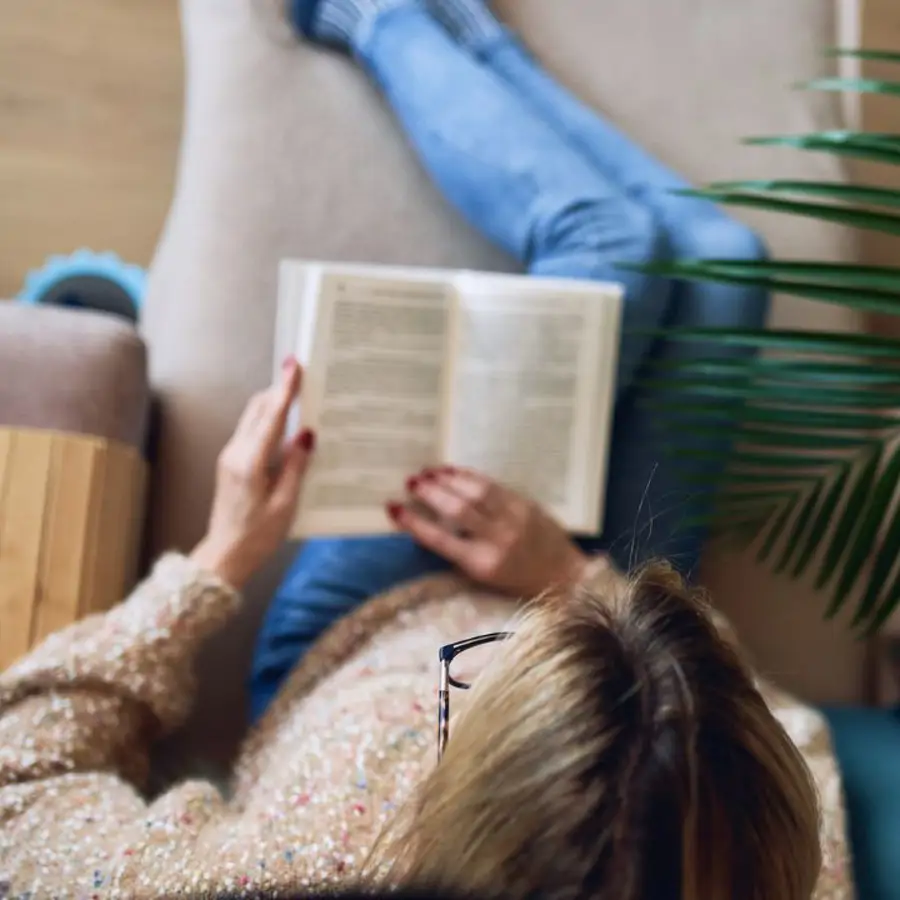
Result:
[72,371]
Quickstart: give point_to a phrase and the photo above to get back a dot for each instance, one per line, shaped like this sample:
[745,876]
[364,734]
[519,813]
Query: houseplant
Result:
[812,483]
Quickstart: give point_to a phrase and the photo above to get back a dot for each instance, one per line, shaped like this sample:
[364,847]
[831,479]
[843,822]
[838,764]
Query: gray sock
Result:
[471,22]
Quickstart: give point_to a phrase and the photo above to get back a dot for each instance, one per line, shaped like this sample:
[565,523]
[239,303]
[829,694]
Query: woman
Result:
[614,745]
[568,195]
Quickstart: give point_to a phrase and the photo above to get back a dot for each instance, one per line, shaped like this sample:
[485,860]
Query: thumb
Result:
[286,491]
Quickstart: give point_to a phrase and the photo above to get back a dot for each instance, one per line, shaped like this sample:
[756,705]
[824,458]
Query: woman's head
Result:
[617,747]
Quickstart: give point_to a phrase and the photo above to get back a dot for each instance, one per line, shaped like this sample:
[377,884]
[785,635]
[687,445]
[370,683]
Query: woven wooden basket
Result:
[71,519]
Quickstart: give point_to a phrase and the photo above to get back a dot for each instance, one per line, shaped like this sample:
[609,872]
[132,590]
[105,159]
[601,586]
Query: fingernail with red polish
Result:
[395,511]
[429,475]
[448,470]
[307,440]
[412,484]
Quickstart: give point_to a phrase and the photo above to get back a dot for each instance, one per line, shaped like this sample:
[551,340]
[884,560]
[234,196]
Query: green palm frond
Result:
[811,478]
[852,85]
[867,289]
[883,148]
[868,195]
[888,56]
[840,213]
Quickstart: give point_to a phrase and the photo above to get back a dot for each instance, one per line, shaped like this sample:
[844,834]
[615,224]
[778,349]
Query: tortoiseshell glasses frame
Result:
[446,655]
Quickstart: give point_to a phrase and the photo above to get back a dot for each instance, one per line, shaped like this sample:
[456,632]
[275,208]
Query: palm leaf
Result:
[884,561]
[673,408]
[847,193]
[885,278]
[826,212]
[854,85]
[854,295]
[777,524]
[810,476]
[822,520]
[883,148]
[820,396]
[889,56]
[787,340]
[865,195]
[867,529]
[864,301]
[800,526]
[848,487]
[782,370]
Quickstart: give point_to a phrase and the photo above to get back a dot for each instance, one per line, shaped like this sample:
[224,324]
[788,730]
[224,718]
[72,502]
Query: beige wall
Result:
[90,115]
[881,31]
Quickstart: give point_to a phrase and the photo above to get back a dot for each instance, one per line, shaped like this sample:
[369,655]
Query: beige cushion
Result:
[288,151]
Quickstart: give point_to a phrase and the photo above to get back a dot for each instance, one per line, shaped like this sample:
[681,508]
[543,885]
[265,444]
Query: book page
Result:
[374,391]
[533,388]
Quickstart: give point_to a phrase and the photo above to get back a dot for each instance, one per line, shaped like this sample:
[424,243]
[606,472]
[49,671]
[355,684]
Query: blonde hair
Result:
[618,748]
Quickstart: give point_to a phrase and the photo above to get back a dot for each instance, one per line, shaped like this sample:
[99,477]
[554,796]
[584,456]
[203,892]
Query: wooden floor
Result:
[90,115]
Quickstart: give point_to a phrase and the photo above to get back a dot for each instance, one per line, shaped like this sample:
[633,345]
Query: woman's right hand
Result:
[258,482]
[491,533]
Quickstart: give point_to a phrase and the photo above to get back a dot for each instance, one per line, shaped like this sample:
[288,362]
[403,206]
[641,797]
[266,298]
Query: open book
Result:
[408,368]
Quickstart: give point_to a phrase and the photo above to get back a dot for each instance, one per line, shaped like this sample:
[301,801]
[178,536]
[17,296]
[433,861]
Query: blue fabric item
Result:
[867,744]
[302,15]
[329,578]
[468,21]
[338,23]
[546,178]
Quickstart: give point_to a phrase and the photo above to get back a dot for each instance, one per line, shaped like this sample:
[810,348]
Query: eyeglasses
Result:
[447,655]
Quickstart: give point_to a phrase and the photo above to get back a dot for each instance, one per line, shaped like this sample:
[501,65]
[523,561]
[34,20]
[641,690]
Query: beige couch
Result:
[289,152]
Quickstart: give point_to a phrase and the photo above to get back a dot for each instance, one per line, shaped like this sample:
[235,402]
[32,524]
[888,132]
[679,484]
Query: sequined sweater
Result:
[341,748]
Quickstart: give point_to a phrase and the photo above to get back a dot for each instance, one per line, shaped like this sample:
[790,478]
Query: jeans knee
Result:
[720,237]
[715,304]
[643,240]
[606,231]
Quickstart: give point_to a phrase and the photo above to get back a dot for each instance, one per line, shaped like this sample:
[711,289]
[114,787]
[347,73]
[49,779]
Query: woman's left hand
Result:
[494,535]
[258,482]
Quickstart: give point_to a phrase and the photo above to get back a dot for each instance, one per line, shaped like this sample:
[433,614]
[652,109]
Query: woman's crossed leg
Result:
[547,179]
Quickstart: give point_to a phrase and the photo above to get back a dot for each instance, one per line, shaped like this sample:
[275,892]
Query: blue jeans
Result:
[546,178]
